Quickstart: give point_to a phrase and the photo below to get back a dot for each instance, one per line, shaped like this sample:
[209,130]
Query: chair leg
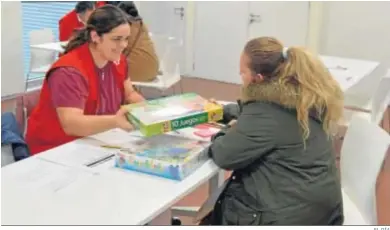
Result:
[138,89]
[181,86]
[163,92]
[175,221]
[174,89]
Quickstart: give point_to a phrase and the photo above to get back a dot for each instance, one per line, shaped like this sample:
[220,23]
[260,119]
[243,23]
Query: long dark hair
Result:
[102,20]
[131,10]
[133,15]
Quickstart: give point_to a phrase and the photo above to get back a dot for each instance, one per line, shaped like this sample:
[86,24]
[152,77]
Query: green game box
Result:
[167,114]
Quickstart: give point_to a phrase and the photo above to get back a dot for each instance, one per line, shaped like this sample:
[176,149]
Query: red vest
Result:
[44,130]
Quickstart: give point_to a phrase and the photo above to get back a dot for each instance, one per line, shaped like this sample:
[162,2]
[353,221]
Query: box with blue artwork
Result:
[164,155]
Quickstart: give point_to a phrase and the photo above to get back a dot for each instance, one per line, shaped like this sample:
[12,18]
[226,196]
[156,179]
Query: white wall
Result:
[357,29]
[12,78]
[348,29]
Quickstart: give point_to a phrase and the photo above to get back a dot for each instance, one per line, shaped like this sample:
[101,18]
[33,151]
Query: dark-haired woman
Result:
[84,89]
[140,52]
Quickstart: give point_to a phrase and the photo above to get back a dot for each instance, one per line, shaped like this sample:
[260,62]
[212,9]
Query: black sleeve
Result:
[239,146]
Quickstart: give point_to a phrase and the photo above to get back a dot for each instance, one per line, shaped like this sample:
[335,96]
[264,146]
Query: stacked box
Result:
[164,155]
[172,113]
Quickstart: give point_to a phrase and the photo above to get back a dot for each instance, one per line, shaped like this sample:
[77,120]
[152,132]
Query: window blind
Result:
[39,15]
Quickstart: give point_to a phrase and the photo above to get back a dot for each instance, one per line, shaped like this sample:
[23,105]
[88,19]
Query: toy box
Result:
[164,155]
[172,113]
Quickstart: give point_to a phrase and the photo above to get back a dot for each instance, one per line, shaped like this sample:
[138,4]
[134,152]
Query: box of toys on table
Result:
[172,113]
[165,155]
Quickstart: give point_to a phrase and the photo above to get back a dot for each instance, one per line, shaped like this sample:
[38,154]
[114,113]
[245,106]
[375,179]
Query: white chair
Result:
[160,43]
[375,108]
[7,156]
[41,60]
[362,155]
[170,68]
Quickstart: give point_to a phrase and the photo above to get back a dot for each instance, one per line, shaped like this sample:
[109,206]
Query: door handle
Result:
[179,11]
[254,18]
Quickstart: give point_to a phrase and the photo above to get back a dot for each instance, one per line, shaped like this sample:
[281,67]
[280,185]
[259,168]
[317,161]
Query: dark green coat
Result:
[277,179]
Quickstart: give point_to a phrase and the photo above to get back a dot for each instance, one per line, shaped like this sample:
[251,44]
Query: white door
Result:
[286,21]
[220,34]
[166,18]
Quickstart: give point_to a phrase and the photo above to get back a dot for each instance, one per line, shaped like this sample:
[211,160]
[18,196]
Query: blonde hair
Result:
[317,89]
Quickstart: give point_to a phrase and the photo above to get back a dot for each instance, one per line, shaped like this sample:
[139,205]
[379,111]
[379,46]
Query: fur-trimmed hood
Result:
[273,91]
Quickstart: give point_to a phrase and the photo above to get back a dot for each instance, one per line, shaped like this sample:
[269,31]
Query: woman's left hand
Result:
[212,100]
[232,123]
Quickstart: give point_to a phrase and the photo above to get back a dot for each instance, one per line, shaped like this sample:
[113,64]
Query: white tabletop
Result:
[38,191]
[114,197]
[348,72]
[54,46]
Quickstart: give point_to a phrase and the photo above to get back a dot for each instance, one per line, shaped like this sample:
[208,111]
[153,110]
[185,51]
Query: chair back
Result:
[160,44]
[170,66]
[40,58]
[380,100]
[25,104]
[362,155]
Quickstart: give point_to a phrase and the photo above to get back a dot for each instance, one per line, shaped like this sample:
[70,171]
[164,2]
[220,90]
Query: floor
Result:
[230,92]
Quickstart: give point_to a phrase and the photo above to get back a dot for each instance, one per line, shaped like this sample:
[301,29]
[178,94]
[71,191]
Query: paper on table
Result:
[78,154]
[37,175]
[343,77]
[116,136]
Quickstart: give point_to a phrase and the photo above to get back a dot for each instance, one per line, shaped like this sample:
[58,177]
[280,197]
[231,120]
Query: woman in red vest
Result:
[75,19]
[84,89]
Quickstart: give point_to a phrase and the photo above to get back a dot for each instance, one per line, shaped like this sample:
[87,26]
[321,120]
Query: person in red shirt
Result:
[75,19]
[102,3]
[84,89]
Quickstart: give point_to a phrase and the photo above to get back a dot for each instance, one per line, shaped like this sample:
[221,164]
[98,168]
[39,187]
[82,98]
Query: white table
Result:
[55,46]
[348,72]
[115,197]
[104,197]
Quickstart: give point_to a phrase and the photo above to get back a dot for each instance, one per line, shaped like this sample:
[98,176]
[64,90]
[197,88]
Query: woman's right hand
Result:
[212,100]
[121,120]
[232,123]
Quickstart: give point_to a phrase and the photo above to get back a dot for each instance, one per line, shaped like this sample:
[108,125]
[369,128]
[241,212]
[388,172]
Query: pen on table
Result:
[111,147]
[177,132]
[100,161]
[216,125]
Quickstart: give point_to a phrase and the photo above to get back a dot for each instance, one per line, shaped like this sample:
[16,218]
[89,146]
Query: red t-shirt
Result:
[70,89]
[68,24]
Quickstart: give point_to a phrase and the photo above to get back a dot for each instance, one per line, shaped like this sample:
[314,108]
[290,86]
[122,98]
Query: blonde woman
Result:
[280,148]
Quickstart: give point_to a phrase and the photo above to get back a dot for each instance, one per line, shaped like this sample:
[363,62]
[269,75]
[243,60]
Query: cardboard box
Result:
[172,113]
[168,156]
